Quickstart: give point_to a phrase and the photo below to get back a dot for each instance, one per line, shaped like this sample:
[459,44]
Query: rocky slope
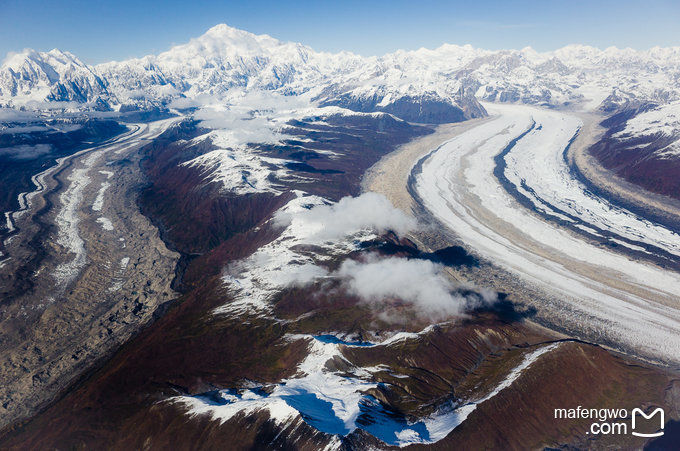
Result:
[82,269]
[36,146]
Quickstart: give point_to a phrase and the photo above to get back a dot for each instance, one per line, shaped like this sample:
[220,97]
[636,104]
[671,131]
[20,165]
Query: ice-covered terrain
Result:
[624,301]
[25,199]
[99,200]
[277,293]
[663,120]
[68,217]
[30,78]
[67,222]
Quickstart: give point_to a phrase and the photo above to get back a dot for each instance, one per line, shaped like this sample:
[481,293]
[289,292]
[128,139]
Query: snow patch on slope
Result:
[431,429]
[105,223]
[328,401]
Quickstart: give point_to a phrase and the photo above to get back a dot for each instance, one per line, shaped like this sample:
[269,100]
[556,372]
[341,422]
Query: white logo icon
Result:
[647,417]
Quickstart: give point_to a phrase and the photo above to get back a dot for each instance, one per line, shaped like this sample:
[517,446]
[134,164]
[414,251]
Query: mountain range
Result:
[435,86]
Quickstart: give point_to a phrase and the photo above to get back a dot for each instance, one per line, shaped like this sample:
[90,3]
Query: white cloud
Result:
[420,283]
[184,102]
[50,106]
[259,111]
[370,211]
[236,130]
[12,115]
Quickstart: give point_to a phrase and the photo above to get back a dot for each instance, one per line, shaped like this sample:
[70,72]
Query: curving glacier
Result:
[597,291]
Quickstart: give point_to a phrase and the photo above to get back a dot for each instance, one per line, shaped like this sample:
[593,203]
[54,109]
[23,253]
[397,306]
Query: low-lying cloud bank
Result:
[370,211]
[240,118]
[333,230]
[420,284]
[25,151]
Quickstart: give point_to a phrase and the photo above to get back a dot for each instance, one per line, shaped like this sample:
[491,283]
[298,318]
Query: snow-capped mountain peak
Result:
[222,42]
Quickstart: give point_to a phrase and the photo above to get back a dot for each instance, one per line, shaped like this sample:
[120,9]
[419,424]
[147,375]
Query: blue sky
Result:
[98,31]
